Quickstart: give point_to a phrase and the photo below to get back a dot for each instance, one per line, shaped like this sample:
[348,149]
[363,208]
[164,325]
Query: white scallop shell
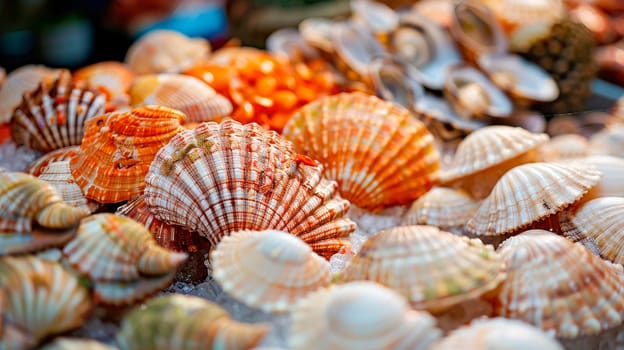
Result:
[442,207]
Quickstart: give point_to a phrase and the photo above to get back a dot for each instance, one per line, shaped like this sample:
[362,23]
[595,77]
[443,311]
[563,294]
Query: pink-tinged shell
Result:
[565,146]
[65,153]
[58,174]
[118,149]
[165,51]
[442,207]
[612,181]
[221,178]
[199,101]
[360,315]
[18,82]
[270,270]
[54,115]
[63,343]
[559,286]
[113,78]
[379,154]
[529,193]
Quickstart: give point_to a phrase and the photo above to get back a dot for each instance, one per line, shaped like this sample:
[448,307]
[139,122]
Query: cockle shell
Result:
[612,181]
[53,116]
[270,270]
[531,192]
[111,77]
[197,100]
[559,286]
[118,149]
[58,174]
[64,343]
[43,298]
[191,323]
[379,154]
[113,250]
[360,315]
[39,165]
[221,178]
[442,207]
[433,269]
[20,81]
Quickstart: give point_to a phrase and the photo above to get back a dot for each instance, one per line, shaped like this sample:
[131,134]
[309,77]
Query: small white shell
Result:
[442,207]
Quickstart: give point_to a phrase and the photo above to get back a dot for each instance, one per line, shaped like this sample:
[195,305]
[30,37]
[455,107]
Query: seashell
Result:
[187,94]
[42,297]
[498,333]
[59,175]
[442,207]
[53,116]
[485,155]
[391,82]
[317,32]
[416,262]
[377,152]
[532,121]
[609,141]
[20,81]
[63,343]
[12,337]
[559,286]
[111,77]
[270,270]
[221,178]
[377,17]
[115,249]
[192,323]
[612,181]
[355,49]
[165,51]
[118,149]
[529,193]
[360,315]
[39,165]
[289,43]
[514,14]
[565,146]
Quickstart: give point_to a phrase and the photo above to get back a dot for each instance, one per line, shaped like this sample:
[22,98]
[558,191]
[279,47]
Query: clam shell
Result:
[221,178]
[39,165]
[59,175]
[377,152]
[360,315]
[112,77]
[20,81]
[442,207]
[612,181]
[63,343]
[559,286]
[433,269]
[53,116]
[118,149]
[185,93]
[270,270]
[565,146]
[531,192]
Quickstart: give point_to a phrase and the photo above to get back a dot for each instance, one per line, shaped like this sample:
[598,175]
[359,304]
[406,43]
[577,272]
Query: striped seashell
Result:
[442,207]
[58,174]
[118,148]
[379,154]
[529,193]
[269,270]
[559,286]
[115,249]
[64,343]
[488,153]
[20,81]
[39,165]
[43,298]
[221,178]
[12,337]
[565,146]
[360,315]
[111,77]
[192,323]
[433,269]
[54,115]
[197,100]
[612,181]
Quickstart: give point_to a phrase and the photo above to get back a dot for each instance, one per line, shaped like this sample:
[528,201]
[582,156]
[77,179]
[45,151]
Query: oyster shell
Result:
[317,33]
[446,208]
[39,165]
[355,49]
[58,174]
[20,81]
[391,82]
[111,77]
[63,343]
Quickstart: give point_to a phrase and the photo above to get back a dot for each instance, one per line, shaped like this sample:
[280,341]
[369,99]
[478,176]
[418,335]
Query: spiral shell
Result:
[58,174]
[20,81]
[39,165]
[442,207]
[63,343]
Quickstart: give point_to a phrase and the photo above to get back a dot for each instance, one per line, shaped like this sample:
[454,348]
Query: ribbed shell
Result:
[191,323]
[379,154]
[63,343]
[118,149]
[433,269]
[20,81]
[42,297]
[58,174]
[559,286]
[113,78]
[54,115]
[197,100]
[270,270]
[220,178]
[39,165]
[442,207]
[12,337]
[530,192]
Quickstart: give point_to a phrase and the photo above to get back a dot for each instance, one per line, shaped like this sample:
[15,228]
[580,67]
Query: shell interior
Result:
[356,46]
[392,84]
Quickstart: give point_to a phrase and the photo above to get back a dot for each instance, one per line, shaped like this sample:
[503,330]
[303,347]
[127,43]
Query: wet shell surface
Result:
[59,175]
[111,77]
[442,207]
[197,100]
[379,154]
[118,149]
[433,269]
[64,343]
[559,286]
[270,270]
[54,115]
[360,315]
[221,178]
[39,165]
[18,82]
[530,192]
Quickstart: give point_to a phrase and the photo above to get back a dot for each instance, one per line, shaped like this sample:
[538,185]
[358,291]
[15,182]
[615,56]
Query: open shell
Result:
[559,286]
[391,82]
[112,77]
[360,315]
[20,81]
[317,33]
[39,165]
[443,207]
[64,343]
[377,17]
[355,48]
[59,175]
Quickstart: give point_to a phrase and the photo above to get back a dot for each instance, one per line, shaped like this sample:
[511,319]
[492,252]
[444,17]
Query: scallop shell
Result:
[63,343]
[559,286]
[531,192]
[612,181]
[53,116]
[379,154]
[112,77]
[58,174]
[118,149]
[360,315]
[20,81]
[42,297]
[197,100]
[165,51]
[221,178]
[433,269]
[39,165]
[565,146]
[270,270]
[442,207]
